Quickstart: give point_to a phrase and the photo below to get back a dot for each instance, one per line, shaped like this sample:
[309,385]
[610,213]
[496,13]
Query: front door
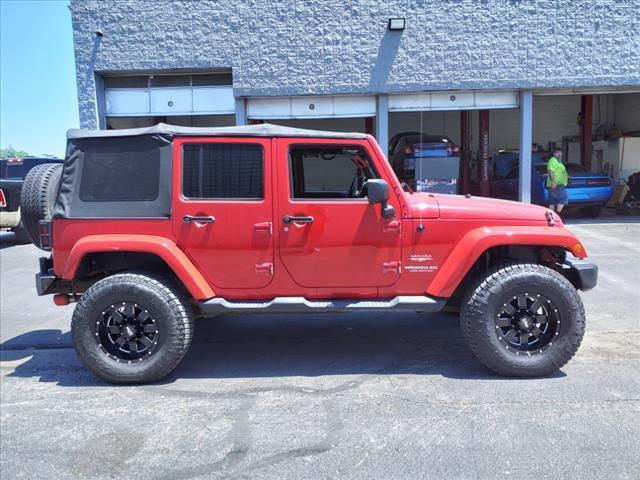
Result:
[222,209]
[329,235]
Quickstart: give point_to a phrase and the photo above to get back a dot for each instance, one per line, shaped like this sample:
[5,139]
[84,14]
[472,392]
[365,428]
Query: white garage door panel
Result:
[263,108]
[213,100]
[354,106]
[170,101]
[122,102]
[410,102]
[497,99]
[452,100]
[442,101]
[311,107]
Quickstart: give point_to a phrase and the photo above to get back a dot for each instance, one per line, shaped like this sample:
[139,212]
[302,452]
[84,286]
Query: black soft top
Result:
[170,131]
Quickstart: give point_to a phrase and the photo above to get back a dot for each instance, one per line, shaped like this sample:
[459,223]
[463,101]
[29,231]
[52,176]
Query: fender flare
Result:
[477,241]
[163,247]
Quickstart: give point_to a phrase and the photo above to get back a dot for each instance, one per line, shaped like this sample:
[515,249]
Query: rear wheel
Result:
[523,320]
[132,327]
[38,197]
[592,212]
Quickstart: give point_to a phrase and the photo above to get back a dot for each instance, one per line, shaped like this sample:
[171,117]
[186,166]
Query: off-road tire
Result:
[485,299]
[165,300]
[38,197]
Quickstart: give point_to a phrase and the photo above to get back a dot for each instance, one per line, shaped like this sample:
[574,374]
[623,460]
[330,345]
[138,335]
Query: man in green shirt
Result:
[557,180]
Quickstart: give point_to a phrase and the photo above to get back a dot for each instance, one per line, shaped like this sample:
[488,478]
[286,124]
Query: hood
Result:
[426,205]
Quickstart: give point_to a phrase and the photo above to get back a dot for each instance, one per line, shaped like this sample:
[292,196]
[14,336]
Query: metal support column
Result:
[241,111]
[382,122]
[586,130]
[484,153]
[465,150]
[526,136]
[101,102]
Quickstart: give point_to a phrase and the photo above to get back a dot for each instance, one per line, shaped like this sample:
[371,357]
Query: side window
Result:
[329,172]
[130,175]
[218,170]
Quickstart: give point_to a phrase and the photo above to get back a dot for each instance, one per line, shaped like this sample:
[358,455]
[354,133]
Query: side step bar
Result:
[301,304]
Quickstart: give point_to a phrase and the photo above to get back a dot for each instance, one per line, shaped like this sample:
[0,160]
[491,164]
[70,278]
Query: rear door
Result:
[222,208]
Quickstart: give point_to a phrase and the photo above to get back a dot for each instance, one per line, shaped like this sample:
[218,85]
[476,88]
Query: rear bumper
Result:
[584,274]
[46,281]
[45,277]
[584,196]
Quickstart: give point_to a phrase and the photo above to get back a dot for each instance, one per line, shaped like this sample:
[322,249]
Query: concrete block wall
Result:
[303,47]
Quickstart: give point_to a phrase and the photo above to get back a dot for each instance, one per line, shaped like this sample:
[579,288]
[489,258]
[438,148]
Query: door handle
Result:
[189,219]
[290,219]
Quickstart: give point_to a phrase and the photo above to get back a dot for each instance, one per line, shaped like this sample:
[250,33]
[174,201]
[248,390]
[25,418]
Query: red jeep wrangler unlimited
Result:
[154,227]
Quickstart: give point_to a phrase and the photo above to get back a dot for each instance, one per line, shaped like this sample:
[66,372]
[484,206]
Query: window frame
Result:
[294,199]
[184,198]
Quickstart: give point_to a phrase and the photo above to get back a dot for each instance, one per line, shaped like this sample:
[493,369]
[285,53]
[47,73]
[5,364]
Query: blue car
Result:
[407,147]
[587,191]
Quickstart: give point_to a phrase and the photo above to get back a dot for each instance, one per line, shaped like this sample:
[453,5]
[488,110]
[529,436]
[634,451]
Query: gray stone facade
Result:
[282,48]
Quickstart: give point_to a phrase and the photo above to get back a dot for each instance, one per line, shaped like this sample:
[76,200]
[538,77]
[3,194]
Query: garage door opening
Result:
[598,134]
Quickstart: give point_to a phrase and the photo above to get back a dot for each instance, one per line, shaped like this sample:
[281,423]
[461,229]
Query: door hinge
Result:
[391,267]
[264,269]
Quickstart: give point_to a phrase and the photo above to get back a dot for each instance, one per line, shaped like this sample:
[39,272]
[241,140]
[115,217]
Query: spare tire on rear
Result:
[38,197]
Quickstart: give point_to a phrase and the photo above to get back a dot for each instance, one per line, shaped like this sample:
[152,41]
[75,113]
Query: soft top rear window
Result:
[116,177]
[130,175]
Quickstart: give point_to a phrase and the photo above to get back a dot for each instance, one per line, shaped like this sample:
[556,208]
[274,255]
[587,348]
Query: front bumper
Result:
[583,274]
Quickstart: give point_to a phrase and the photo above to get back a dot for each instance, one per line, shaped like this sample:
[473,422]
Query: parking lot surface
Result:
[327,396]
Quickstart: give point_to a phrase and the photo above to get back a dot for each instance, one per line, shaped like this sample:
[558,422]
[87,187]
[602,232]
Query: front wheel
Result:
[523,320]
[132,327]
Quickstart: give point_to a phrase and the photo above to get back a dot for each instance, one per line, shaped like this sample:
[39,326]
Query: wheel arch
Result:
[119,252]
[482,247]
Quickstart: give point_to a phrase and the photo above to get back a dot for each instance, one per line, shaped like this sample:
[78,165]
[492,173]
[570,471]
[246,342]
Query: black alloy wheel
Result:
[527,324]
[133,327]
[522,319]
[127,332]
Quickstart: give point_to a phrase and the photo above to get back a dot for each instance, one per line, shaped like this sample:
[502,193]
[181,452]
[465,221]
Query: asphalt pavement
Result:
[356,396]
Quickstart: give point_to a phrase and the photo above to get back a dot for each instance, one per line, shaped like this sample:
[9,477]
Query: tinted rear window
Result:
[217,170]
[130,175]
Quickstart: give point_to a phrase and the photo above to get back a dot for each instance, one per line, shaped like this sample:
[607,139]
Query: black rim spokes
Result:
[528,323]
[127,331]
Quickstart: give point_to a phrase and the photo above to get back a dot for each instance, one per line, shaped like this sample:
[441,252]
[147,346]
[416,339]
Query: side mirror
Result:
[378,192]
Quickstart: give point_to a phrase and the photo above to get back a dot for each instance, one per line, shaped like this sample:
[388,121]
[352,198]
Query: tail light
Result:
[14,161]
[456,149]
[3,200]
[409,150]
[44,231]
